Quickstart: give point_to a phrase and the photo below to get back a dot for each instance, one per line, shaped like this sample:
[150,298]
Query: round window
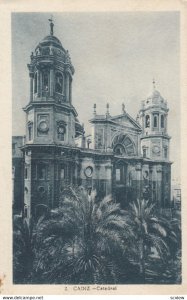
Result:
[41,189]
[88,171]
[156,149]
[43,126]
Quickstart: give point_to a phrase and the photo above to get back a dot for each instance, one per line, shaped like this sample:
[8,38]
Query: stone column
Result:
[143,122]
[159,185]
[70,90]
[108,171]
[159,120]
[31,86]
[150,122]
[151,181]
[51,183]
[67,87]
[51,82]
[165,122]
[38,83]
[28,205]
[97,177]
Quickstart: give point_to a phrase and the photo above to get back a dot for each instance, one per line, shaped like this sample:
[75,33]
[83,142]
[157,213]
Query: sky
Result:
[115,55]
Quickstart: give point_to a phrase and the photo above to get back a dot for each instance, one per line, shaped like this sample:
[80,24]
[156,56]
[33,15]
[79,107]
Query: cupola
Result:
[51,71]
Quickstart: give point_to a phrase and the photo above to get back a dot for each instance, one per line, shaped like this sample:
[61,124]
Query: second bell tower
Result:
[153,117]
[155,148]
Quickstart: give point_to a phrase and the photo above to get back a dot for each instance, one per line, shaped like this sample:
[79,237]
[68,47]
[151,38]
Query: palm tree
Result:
[151,233]
[83,241]
[171,271]
[24,247]
[22,250]
[86,241]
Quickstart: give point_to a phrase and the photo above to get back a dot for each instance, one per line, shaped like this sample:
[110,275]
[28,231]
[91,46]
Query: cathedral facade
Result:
[124,157]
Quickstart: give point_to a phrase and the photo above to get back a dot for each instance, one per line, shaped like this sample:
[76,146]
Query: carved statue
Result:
[51,25]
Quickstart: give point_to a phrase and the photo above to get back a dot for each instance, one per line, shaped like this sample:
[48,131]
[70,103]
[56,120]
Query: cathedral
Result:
[124,157]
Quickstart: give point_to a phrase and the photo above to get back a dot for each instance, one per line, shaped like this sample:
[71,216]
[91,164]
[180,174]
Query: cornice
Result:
[166,136]
[61,106]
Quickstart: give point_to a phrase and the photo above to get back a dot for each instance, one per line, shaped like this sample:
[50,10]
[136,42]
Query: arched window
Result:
[122,145]
[147,121]
[155,122]
[61,132]
[59,83]
[162,121]
[35,82]
[119,150]
[45,81]
[144,152]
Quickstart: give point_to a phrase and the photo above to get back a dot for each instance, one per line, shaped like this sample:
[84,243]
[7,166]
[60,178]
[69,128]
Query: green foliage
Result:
[22,250]
[79,240]
[95,242]
[156,243]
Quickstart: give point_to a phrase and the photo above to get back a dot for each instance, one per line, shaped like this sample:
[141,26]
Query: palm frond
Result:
[160,229]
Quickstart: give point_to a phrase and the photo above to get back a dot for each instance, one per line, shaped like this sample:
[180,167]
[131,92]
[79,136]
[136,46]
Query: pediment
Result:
[126,120]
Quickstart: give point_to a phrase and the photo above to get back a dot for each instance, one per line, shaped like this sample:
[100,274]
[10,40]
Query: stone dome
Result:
[155,99]
[51,40]
[51,46]
[155,95]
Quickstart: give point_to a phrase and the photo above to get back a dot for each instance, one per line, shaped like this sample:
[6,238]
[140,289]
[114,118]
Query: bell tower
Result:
[50,158]
[154,143]
[50,115]
[153,119]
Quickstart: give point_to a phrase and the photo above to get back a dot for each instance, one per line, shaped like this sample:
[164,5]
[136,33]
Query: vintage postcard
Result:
[93,147]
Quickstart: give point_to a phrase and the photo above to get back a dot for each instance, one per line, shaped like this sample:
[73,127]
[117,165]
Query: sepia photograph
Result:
[96,148]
